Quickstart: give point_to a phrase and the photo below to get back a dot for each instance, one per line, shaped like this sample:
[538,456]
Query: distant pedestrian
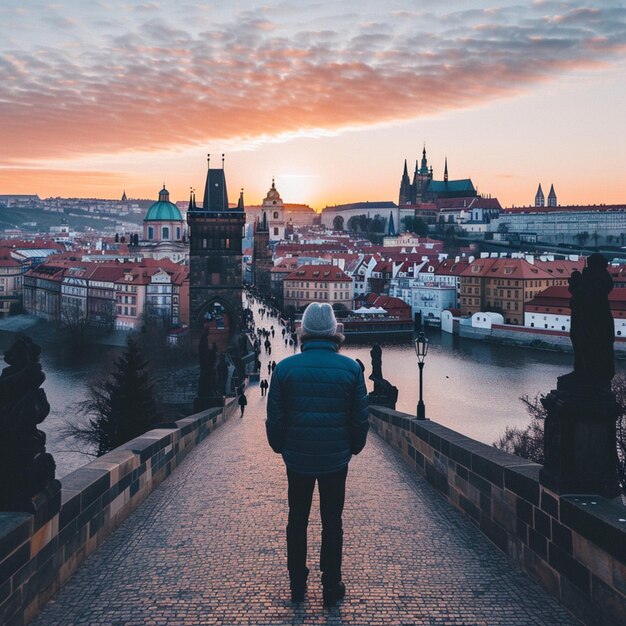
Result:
[317,419]
[269,368]
[273,366]
[264,386]
[243,401]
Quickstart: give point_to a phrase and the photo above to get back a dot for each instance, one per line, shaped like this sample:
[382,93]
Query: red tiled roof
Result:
[6,260]
[506,268]
[570,207]
[451,267]
[468,203]
[320,273]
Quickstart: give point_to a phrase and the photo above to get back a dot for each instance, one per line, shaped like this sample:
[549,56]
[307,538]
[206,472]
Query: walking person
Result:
[243,402]
[317,419]
[273,366]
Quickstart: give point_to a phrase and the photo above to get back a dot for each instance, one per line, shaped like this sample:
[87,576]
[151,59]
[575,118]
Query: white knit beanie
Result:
[319,321]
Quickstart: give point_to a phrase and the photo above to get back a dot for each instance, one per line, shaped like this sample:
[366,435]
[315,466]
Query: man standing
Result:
[317,419]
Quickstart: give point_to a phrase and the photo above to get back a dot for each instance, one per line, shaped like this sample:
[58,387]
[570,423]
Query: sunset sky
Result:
[328,97]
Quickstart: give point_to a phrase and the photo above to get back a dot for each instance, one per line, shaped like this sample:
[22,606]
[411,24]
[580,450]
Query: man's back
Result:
[317,409]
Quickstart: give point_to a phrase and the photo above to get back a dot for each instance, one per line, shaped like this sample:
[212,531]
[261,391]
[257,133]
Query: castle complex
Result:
[424,188]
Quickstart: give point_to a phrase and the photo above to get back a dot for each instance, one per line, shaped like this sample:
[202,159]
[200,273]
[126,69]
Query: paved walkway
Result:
[208,547]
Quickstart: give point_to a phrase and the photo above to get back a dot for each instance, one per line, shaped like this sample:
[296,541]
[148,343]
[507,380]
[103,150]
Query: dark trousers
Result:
[332,489]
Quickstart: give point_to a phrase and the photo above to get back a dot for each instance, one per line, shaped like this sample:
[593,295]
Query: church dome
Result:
[272,194]
[163,210]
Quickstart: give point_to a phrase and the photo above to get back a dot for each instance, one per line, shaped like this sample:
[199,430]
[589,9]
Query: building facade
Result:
[318,283]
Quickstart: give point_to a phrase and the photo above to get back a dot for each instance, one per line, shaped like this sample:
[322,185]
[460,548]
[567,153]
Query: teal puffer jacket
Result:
[317,409]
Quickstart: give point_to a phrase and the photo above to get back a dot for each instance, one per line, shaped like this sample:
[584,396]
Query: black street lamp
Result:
[421,349]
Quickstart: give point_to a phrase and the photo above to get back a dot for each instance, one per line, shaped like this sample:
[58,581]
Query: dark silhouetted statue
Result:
[580,447]
[27,471]
[222,375]
[384,394]
[207,395]
[592,330]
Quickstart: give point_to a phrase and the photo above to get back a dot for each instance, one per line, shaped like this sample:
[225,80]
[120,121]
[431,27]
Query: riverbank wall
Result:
[523,336]
[574,545]
[35,561]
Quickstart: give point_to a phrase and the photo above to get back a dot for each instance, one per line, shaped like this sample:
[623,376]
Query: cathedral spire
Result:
[424,167]
[540,199]
[552,197]
[240,206]
[445,172]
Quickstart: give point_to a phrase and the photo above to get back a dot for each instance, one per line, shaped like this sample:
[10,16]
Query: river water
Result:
[470,386]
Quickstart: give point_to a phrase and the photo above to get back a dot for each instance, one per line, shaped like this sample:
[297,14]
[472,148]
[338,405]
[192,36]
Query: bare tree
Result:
[528,442]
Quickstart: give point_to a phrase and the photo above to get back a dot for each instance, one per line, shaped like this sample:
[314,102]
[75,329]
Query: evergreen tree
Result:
[120,408]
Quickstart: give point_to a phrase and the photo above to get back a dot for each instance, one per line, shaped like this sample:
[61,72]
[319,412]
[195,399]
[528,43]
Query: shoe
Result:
[333,594]
[297,594]
[298,588]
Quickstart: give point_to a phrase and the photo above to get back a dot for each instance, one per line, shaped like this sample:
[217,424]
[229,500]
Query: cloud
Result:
[251,77]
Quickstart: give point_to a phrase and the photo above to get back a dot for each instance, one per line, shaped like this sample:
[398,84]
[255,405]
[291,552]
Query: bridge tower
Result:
[215,261]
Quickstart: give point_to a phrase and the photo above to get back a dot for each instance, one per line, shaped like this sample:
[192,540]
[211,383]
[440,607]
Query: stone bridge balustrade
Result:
[574,545]
[96,498]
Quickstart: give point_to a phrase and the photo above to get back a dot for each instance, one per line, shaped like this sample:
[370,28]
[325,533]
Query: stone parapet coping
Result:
[575,545]
[36,561]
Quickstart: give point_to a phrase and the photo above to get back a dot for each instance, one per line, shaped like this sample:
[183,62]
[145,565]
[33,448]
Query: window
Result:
[150,232]
[275,213]
[275,231]
[165,233]
[178,232]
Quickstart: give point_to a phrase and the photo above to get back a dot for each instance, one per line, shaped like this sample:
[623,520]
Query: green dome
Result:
[164,212]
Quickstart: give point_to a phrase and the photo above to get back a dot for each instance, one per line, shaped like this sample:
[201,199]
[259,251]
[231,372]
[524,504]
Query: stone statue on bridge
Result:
[592,330]
[27,471]
[384,394]
[208,394]
[580,448]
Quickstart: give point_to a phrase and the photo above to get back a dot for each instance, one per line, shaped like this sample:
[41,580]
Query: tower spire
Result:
[208,161]
[552,197]
[240,206]
[424,166]
[540,199]
[445,172]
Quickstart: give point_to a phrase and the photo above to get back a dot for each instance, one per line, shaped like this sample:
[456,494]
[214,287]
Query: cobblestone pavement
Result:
[208,547]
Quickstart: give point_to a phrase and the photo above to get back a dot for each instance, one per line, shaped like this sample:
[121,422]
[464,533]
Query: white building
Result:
[275,209]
